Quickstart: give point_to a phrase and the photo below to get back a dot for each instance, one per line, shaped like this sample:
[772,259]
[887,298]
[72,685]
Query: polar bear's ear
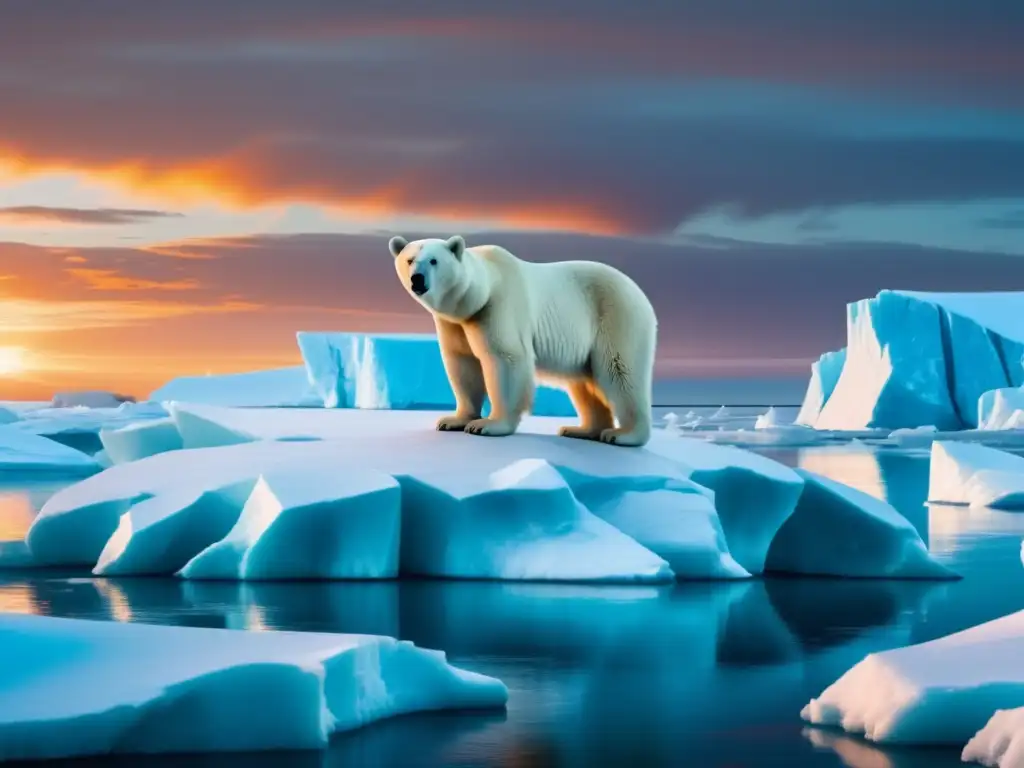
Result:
[456,245]
[397,244]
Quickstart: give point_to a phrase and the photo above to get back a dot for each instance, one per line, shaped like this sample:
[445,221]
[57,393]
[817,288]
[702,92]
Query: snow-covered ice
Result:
[753,495]
[940,692]
[392,371]
[676,521]
[298,525]
[523,524]
[139,440]
[1000,744]
[837,530]
[825,373]
[432,467]
[8,416]
[25,452]
[915,359]
[975,475]
[278,387]
[83,688]
[159,535]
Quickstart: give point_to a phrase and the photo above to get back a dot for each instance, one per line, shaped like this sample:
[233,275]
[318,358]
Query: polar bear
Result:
[503,322]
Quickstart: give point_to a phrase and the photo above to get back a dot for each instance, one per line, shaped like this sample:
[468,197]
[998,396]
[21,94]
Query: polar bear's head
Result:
[431,270]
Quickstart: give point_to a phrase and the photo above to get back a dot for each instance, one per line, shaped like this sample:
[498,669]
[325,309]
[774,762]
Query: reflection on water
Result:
[20,503]
[699,674]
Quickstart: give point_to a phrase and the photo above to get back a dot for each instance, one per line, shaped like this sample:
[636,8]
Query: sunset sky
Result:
[184,185]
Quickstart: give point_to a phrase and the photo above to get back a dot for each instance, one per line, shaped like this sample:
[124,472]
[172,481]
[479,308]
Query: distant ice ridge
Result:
[82,688]
[276,387]
[915,359]
[287,492]
[939,692]
[976,476]
[392,371]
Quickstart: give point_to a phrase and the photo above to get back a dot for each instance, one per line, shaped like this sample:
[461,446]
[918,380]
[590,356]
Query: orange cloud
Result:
[111,280]
[253,177]
[47,316]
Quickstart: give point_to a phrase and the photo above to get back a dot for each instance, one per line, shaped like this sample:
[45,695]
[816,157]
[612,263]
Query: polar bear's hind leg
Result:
[595,415]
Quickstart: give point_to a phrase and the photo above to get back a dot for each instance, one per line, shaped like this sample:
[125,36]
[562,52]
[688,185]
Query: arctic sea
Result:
[698,674]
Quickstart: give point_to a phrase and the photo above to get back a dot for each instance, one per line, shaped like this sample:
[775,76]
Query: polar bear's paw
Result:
[490,427]
[453,423]
[580,433]
[623,437]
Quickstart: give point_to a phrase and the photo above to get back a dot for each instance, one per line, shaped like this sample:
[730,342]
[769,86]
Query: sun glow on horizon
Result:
[12,361]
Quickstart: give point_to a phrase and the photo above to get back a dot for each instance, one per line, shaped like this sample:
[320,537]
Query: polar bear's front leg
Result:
[464,375]
[510,382]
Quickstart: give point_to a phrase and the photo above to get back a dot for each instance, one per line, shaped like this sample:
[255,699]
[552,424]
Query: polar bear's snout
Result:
[418,283]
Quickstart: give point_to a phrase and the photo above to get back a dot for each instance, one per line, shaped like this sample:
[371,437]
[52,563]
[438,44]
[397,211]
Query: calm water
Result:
[708,675]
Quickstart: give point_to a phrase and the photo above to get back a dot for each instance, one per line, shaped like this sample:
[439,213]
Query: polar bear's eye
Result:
[433,262]
[410,261]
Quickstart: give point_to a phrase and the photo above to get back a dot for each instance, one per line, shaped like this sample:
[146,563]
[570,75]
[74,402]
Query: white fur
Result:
[503,322]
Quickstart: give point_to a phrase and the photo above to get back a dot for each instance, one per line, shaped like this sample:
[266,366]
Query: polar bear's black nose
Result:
[418,283]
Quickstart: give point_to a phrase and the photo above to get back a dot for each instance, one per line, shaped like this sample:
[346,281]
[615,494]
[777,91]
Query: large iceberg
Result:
[976,476]
[277,387]
[83,688]
[841,531]
[939,692]
[572,510]
[915,359]
[754,495]
[24,452]
[393,371]
[825,373]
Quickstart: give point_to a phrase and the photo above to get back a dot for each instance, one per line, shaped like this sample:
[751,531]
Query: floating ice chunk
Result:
[825,373]
[975,475]
[394,372]
[75,523]
[522,522]
[159,535]
[1001,409]
[1000,743]
[768,420]
[914,436]
[93,399]
[298,525]
[720,415]
[137,441]
[84,688]
[25,452]
[7,416]
[671,422]
[837,530]
[754,495]
[939,692]
[676,521]
[277,387]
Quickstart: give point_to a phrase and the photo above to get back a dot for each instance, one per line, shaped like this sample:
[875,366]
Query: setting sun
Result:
[12,360]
